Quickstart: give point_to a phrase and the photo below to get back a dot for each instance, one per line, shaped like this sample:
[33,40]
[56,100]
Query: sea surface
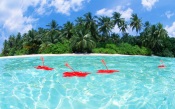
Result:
[139,84]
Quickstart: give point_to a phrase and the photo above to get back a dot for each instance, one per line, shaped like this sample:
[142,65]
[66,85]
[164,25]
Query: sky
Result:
[23,15]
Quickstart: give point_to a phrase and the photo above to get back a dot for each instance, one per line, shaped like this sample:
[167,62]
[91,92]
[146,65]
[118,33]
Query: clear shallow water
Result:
[138,85]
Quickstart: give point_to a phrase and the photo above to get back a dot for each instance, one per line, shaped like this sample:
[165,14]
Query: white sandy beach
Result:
[73,54]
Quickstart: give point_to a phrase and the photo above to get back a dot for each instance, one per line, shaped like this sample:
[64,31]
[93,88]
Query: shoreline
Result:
[72,54]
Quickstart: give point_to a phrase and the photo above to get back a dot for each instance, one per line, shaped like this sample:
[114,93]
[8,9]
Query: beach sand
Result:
[73,54]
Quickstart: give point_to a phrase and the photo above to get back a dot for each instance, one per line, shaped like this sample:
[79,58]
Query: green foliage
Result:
[12,52]
[104,50]
[167,53]
[111,46]
[126,48]
[22,51]
[98,50]
[1,55]
[101,44]
[145,51]
[123,48]
[57,48]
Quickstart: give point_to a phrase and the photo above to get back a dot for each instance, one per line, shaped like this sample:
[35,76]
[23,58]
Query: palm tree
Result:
[153,37]
[18,41]
[82,41]
[160,32]
[149,37]
[105,26]
[147,24]
[44,42]
[121,23]
[30,41]
[126,38]
[67,30]
[117,19]
[123,26]
[79,21]
[40,36]
[53,31]
[90,24]
[11,41]
[10,46]
[145,36]
[136,23]
[5,49]
[53,25]
[115,38]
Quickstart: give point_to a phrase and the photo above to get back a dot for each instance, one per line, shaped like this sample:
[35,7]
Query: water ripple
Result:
[140,84]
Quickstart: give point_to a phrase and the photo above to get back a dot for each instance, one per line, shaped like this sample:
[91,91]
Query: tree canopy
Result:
[93,34]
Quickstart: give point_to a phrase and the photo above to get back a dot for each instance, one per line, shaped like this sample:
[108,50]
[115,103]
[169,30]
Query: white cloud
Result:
[171,30]
[16,22]
[61,6]
[12,15]
[169,14]
[125,13]
[105,12]
[42,9]
[65,6]
[148,4]
[77,4]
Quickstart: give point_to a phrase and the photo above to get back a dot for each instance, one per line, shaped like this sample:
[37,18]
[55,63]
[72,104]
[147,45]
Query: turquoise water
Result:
[140,84]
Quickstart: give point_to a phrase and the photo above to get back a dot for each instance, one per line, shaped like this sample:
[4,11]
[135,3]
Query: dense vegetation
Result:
[92,34]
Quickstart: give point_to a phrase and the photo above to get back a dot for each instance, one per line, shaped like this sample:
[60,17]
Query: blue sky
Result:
[23,15]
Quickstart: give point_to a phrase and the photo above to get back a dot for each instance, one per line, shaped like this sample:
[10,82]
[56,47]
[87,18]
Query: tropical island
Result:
[92,34]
